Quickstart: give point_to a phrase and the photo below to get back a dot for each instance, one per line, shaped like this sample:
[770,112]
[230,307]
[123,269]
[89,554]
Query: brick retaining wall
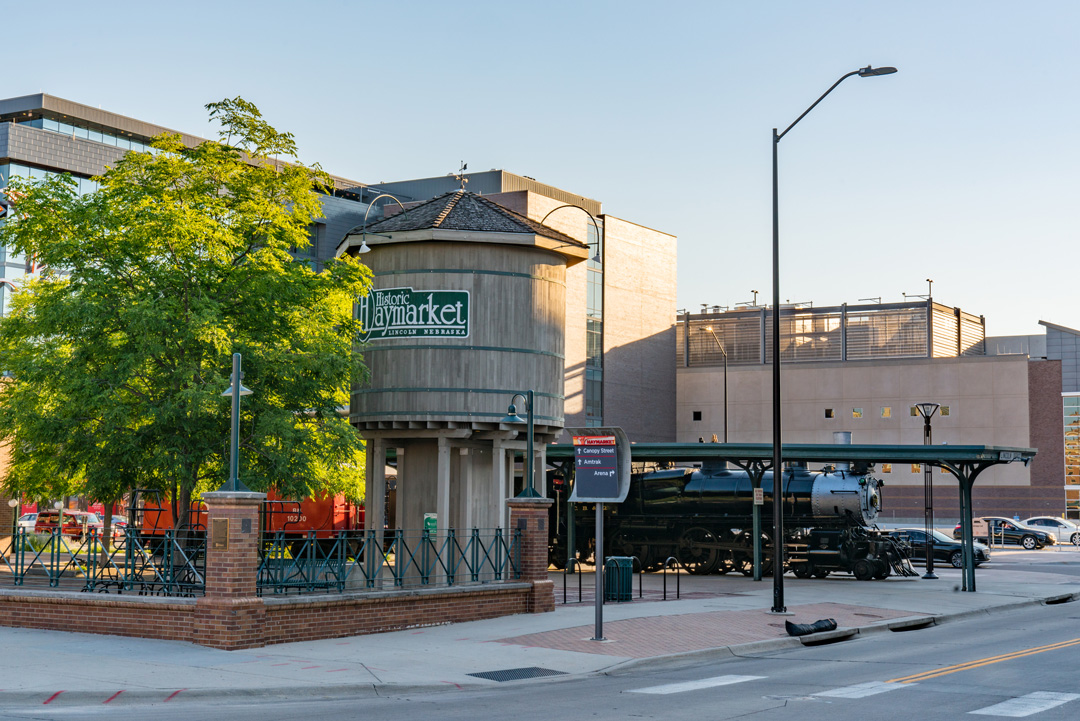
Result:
[250,623]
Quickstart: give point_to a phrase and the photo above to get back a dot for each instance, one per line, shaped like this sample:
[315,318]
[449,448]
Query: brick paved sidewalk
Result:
[659,635]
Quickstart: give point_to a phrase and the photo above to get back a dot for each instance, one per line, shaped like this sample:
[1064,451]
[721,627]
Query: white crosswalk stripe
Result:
[695,685]
[1027,705]
[862,690]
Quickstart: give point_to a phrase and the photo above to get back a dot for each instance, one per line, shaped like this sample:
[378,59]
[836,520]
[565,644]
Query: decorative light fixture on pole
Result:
[927,411]
[778,467]
[234,484]
[512,417]
[721,347]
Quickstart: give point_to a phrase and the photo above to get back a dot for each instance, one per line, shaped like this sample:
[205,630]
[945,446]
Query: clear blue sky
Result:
[962,167]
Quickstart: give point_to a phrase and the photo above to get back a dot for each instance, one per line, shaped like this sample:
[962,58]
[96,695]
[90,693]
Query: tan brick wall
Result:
[993,400]
[639,336]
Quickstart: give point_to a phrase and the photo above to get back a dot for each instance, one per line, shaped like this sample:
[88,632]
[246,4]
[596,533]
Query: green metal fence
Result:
[165,564]
[372,561]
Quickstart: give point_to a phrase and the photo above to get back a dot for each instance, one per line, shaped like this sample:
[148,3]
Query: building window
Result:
[594,335]
[856,412]
[944,410]
[697,415]
[886,468]
[1071,418]
[829,413]
[914,412]
[886,412]
[916,468]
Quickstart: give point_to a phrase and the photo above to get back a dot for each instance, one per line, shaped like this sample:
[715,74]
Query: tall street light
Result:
[778,468]
[721,347]
[927,411]
[234,484]
[513,417]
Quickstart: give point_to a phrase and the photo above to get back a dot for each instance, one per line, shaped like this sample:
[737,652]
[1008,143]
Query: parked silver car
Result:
[26,521]
[1065,531]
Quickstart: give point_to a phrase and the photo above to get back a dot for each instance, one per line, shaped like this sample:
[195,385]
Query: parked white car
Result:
[27,521]
[1065,531]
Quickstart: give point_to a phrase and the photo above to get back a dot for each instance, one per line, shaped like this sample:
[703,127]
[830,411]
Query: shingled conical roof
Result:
[462,210]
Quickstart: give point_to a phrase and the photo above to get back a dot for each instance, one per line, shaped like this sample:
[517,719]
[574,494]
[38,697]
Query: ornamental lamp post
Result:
[778,461]
[927,411]
[512,417]
[721,347]
[233,484]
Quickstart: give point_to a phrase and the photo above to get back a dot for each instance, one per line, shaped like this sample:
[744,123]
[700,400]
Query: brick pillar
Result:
[230,616]
[531,516]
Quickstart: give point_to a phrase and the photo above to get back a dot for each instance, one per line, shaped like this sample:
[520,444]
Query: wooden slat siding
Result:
[507,311]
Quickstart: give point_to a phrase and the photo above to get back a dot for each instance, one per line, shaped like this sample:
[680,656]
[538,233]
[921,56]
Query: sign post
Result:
[601,475]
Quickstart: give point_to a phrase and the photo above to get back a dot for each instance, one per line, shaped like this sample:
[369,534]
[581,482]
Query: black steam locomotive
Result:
[703,518]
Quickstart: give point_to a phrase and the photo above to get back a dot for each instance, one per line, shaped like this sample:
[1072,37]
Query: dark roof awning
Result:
[823,452]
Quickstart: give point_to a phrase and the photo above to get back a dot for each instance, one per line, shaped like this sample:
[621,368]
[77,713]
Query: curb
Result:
[27,701]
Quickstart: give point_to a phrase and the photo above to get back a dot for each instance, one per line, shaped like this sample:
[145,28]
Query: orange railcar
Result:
[325,515]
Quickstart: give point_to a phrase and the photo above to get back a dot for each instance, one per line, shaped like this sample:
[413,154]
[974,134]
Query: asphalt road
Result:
[1011,664]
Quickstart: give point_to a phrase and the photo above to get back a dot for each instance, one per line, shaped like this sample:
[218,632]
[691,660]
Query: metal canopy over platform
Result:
[965,463]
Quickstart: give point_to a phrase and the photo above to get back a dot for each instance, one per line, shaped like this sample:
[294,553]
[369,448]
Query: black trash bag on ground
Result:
[802,629]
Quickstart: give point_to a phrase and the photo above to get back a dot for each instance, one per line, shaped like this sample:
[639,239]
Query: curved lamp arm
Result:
[867,72]
[591,218]
[371,204]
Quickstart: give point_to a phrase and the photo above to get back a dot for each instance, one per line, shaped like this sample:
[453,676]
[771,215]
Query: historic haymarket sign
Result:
[389,313]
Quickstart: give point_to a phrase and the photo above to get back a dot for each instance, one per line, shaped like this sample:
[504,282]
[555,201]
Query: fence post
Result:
[230,615]
[530,516]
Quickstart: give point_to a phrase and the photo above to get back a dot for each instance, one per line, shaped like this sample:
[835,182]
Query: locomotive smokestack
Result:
[842,438]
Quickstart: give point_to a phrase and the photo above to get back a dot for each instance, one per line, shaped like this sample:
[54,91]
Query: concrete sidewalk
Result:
[716,615]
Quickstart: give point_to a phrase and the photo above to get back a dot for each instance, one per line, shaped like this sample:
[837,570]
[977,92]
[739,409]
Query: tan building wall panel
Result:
[639,337]
[988,399]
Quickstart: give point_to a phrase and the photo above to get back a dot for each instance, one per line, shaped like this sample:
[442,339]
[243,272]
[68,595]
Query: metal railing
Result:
[373,561]
[165,564]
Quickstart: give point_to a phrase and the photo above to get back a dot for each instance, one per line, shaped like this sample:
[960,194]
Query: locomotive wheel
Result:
[881,570]
[697,551]
[863,570]
[726,564]
[802,570]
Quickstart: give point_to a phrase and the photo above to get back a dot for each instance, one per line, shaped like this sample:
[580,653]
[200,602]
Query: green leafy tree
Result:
[121,349]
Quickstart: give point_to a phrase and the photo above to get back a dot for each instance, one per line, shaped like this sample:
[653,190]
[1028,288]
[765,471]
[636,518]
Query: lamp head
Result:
[58,505]
[364,248]
[13,502]
[869,72]
[244,391]
[927,410]
[511,415]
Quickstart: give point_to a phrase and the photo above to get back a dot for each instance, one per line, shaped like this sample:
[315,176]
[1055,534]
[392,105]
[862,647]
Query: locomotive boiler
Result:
[704,519]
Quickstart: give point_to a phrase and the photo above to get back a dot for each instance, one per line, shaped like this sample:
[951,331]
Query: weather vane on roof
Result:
[461,174]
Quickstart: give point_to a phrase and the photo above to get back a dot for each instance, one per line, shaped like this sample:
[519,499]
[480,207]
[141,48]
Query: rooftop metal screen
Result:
[838,333]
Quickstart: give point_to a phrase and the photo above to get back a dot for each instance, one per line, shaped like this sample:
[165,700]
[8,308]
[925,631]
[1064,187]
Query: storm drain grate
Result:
[517,674]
